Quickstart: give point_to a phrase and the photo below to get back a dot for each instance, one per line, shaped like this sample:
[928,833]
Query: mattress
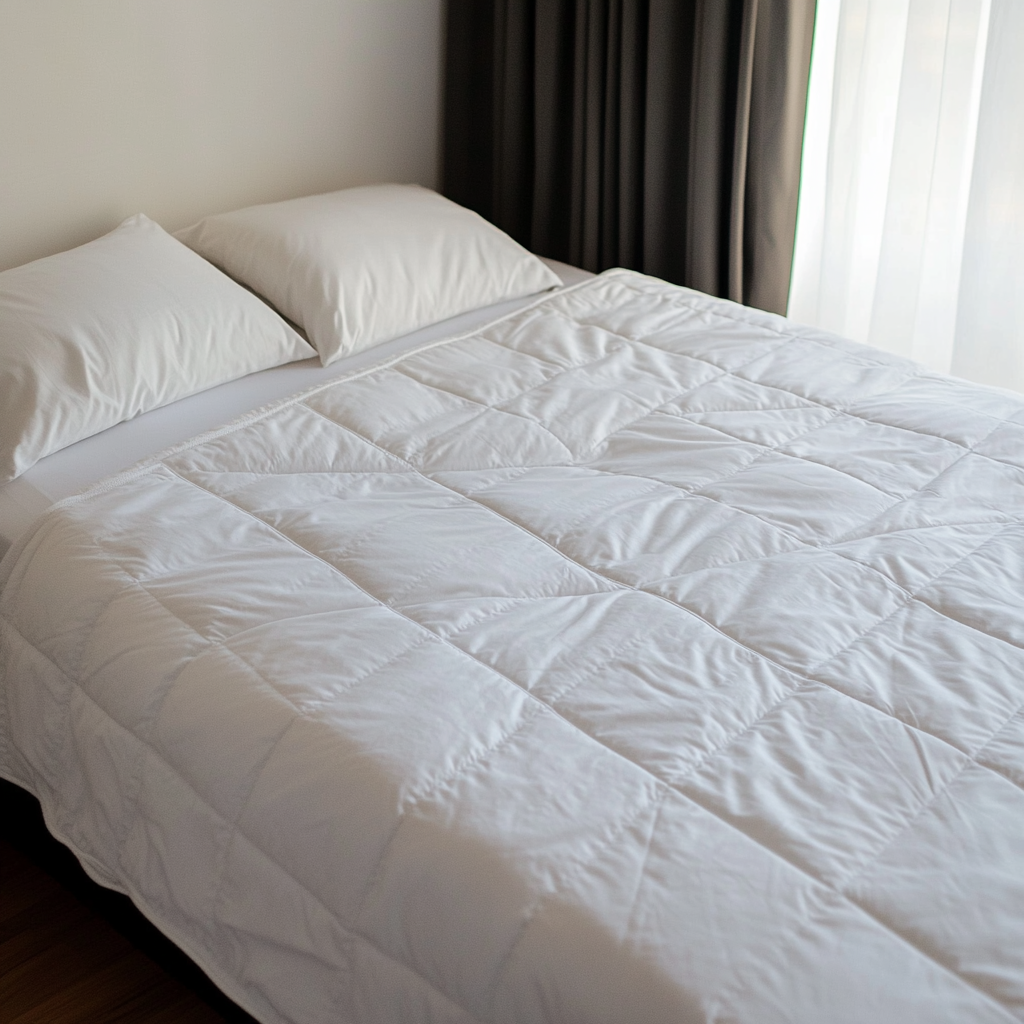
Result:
[637,657]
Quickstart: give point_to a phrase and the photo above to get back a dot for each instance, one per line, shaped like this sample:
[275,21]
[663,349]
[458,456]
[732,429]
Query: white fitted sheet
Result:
[80,465]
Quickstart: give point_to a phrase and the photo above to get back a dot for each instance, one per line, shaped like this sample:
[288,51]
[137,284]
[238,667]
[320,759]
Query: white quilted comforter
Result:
[639,658]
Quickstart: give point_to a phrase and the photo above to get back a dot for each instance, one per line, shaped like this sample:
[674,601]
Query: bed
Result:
[632,655]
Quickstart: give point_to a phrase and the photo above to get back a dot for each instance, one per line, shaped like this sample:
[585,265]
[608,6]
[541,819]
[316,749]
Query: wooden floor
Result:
[74,953]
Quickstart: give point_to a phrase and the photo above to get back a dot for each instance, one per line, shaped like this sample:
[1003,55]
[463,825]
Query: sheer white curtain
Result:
[910,232]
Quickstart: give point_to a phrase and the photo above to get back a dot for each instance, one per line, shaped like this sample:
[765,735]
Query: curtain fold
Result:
[662,135]
[911,233]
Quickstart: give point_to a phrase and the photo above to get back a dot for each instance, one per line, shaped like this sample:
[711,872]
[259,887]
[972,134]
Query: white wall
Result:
[177,108]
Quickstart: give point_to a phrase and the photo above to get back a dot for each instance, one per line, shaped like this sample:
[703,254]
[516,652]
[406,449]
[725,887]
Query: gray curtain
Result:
[662,135]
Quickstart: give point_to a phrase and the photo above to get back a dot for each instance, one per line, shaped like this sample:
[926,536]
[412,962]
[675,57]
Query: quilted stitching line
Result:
[972,758]
[971,762]
[829,546]
[799,683]
[661,407]
[624,345]
[217,899]
[574,522]
[134,788]
[546,706]
[657,482]
[485,408]
[803,675]
[582,864]
[586,568]
[358,538]
[485,335]
[867,631]
[775,449]
[625,342]
[643,866]
[901,939]
[136,779]
[225,849]
[967,449]
[800,545]
[237,830]
[872,858]
[298,713]
[379,601]
[55,747]
[762,450]
[800,542]
[59,740]
[906,940]
[821,682]
[560,369]
[532,698]
[969,625]
[885,840]
[465,497]
[600,656]
[645,339]
[778,449]
[996,520]
[352,540]
[981,750]
[351,683]
[928,485]
[659,581]
[479,617]
[994,769]
[911,374]
[470,762]
[299,472]
[796,687]
[447,431]
[779,528]
[530,711]
[395,597]
[715,308]
[500,407]
[511,522]
[913,596]
[837,412]
[720,309]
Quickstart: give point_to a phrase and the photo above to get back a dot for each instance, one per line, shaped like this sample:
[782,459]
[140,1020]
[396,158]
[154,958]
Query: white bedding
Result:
[74,468]
[640,657]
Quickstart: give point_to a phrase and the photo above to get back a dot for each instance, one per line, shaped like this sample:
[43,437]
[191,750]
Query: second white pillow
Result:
[364,265]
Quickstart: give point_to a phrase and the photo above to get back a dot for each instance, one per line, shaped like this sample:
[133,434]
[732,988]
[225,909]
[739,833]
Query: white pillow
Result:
[364,265]
[113,328]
